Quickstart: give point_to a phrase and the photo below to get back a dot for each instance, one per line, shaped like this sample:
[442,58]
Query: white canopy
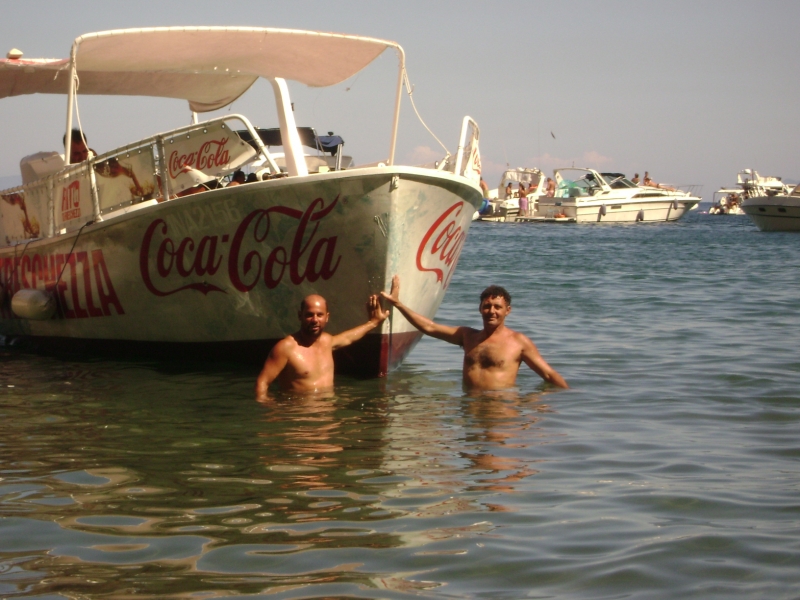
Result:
[208,66]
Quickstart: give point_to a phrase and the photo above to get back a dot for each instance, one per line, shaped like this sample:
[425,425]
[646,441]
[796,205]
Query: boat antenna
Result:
[410,90]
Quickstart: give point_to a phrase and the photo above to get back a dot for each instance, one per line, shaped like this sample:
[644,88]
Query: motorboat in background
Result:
[752,184]
[726,201]
[587,196]
[505,205]
[141,251]
[775,212]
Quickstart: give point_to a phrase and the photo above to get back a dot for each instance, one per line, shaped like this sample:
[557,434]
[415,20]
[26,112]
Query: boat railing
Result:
[157,167]
[692,189]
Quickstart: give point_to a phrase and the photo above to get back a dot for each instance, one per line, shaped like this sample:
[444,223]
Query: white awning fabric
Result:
[208,66]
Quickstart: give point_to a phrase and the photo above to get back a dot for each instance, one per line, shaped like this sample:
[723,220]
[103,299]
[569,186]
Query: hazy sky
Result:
[692,91]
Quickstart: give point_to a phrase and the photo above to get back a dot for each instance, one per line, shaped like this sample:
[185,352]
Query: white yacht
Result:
[775,212]
[587,196]
[752,184]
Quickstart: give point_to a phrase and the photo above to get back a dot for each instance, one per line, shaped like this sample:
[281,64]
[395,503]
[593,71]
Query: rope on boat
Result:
[410,90]
[71,250]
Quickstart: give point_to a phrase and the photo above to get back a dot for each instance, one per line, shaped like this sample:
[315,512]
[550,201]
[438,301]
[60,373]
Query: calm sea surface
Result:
[670,469]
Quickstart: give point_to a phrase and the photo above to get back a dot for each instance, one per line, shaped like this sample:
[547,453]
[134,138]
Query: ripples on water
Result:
[669,469]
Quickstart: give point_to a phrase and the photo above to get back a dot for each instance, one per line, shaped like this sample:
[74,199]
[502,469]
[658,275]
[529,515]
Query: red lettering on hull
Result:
[307,258]
[85,289]
[441,246]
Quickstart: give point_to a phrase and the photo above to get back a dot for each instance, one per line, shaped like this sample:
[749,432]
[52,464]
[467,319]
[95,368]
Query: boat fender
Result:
[37,305]
[674,205]
[640,215]
[602,212]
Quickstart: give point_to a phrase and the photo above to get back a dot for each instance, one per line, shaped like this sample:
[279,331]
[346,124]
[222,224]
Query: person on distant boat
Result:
[551,188]
[79,151]
[509,190]
[303,362]
[650,183]
[523,200]
[484,188]
[635,178]
[492,355]
[238,178]
[251,178]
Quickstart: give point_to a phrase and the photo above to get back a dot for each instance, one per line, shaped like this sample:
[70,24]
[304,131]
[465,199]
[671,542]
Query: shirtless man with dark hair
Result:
[492,355]
[78,150]
[303,362]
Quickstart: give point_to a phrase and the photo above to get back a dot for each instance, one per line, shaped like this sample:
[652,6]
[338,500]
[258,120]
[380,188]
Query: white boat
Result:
[752,184]
[219,274]
[727,201]
[505,203]
[587,196]
[775,212]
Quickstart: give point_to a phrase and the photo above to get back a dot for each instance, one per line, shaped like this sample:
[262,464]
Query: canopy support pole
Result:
[399,96]
[73,74]
[292,147]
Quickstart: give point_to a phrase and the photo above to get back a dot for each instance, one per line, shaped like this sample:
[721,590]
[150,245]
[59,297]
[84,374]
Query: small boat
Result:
[505,200]
[588,196]
[143,251]
[726,201]
[775,212]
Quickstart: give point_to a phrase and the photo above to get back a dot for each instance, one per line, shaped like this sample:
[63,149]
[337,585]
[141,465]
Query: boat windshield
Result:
[585,183]
[618,181]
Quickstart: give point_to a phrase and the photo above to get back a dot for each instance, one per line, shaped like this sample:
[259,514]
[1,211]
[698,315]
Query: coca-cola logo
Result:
[249,256]
[212,154]
[440,248]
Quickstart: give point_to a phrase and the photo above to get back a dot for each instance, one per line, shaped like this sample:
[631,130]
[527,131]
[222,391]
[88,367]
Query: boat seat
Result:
[40,165]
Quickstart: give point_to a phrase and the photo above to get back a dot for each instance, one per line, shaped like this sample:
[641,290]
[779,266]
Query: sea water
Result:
[671,468]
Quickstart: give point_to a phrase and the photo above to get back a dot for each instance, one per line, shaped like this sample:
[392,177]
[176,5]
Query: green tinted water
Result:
[670,468]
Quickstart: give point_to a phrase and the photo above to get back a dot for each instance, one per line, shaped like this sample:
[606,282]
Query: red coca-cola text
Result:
[210,155]
[441,246]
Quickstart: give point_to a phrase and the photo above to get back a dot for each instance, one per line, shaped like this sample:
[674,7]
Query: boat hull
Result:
[220,275]
[613,212]
[774,213]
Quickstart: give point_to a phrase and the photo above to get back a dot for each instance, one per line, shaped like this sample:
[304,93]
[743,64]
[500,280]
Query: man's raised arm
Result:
[454,335]
[376,316]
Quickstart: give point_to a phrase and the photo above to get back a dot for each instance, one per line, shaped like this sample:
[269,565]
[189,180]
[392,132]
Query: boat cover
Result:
[208,66]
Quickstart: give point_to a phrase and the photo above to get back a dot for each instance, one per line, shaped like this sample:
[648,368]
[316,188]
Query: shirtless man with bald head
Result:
[492,355]
[303,362]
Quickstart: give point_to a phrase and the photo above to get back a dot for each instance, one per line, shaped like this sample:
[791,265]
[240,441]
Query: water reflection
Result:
[497,421]
[119,478]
